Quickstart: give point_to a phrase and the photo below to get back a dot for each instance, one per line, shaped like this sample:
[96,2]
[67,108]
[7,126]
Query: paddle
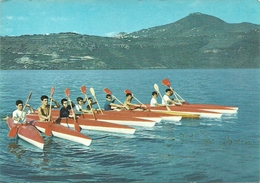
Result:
[84,91]
[76,125]
[24,106]
[51,94]
[107,91]
[92,91]
[166,82]
[156,87]
[13,131]
[48,129]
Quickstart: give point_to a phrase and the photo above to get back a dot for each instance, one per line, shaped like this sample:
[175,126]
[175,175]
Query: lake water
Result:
[195,150]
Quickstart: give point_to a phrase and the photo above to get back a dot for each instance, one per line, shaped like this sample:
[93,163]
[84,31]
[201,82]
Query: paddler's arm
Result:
[173,102]
[135,105]
[31,109]
[72,103]
[57,105]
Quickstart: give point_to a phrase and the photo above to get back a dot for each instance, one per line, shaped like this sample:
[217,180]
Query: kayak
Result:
[187,110]
[214,108]
[63,132]
[116,119]
[27,132]
[126,117]
[90,124]
[140,114]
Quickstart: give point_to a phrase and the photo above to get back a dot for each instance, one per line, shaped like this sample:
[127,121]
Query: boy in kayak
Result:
[80,104]
[65,109]
[128,104]
[19,116]
[91,103]
[109,104]
[166,98]
[153,101]
[44,109]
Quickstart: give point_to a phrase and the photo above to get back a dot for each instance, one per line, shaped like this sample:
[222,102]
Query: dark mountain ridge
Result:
[196,41]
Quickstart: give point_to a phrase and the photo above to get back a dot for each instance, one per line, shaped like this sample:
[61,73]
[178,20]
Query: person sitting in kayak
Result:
[90,104]
[80,104]
[19,116]
[44,109]
[128,104]
[166,98]
[65,109]
[109,104]
[153,101]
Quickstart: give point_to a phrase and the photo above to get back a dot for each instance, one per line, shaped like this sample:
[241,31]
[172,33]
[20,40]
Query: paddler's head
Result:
[168,92]
[155,94]
[44,99]
[19,105]
[64,102]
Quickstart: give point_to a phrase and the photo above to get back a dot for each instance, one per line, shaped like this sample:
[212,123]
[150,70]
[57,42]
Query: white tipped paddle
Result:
[92,91]
[156,87]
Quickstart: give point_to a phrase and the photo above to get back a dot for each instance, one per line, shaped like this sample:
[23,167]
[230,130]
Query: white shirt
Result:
[165,99]
[17,114]
[153,102]
[78,108]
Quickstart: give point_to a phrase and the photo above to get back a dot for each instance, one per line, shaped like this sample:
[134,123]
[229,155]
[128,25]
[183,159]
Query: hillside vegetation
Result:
[196,41]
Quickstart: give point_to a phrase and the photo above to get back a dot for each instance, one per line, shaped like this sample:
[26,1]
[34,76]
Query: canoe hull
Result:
[28,133]
[91,124]
[63,132]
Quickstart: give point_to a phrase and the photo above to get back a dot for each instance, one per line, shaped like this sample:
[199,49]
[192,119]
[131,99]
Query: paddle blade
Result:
[76,126]
[52,91]
[48,130]
[83,89]
[166,82]
[127,91]
[107,91]
[156,87]
[13,131]
[92,91]
[67,92]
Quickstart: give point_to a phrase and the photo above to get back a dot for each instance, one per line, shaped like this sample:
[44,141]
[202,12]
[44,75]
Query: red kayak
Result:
[116,119]
[187,110]
[27,132]
[90,124]
[140,114]
[213,108]
[130,117]
[63,132]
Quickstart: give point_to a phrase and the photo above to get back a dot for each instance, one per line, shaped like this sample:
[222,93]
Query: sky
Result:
[109,17]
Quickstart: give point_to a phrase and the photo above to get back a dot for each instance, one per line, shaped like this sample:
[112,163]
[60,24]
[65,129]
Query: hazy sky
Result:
[108,17]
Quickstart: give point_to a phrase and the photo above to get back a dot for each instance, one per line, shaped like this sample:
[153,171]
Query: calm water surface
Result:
[195,150]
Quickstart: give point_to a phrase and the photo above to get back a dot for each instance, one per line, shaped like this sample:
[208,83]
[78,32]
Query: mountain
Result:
[195,41]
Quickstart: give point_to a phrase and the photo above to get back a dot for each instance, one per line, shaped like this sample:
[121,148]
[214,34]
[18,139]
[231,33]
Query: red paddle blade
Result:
[166,82]
[52,91]
[76,126]
[67,92]
[48,130]
[13,131]
[107,91]
[128,91]
[83,89]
